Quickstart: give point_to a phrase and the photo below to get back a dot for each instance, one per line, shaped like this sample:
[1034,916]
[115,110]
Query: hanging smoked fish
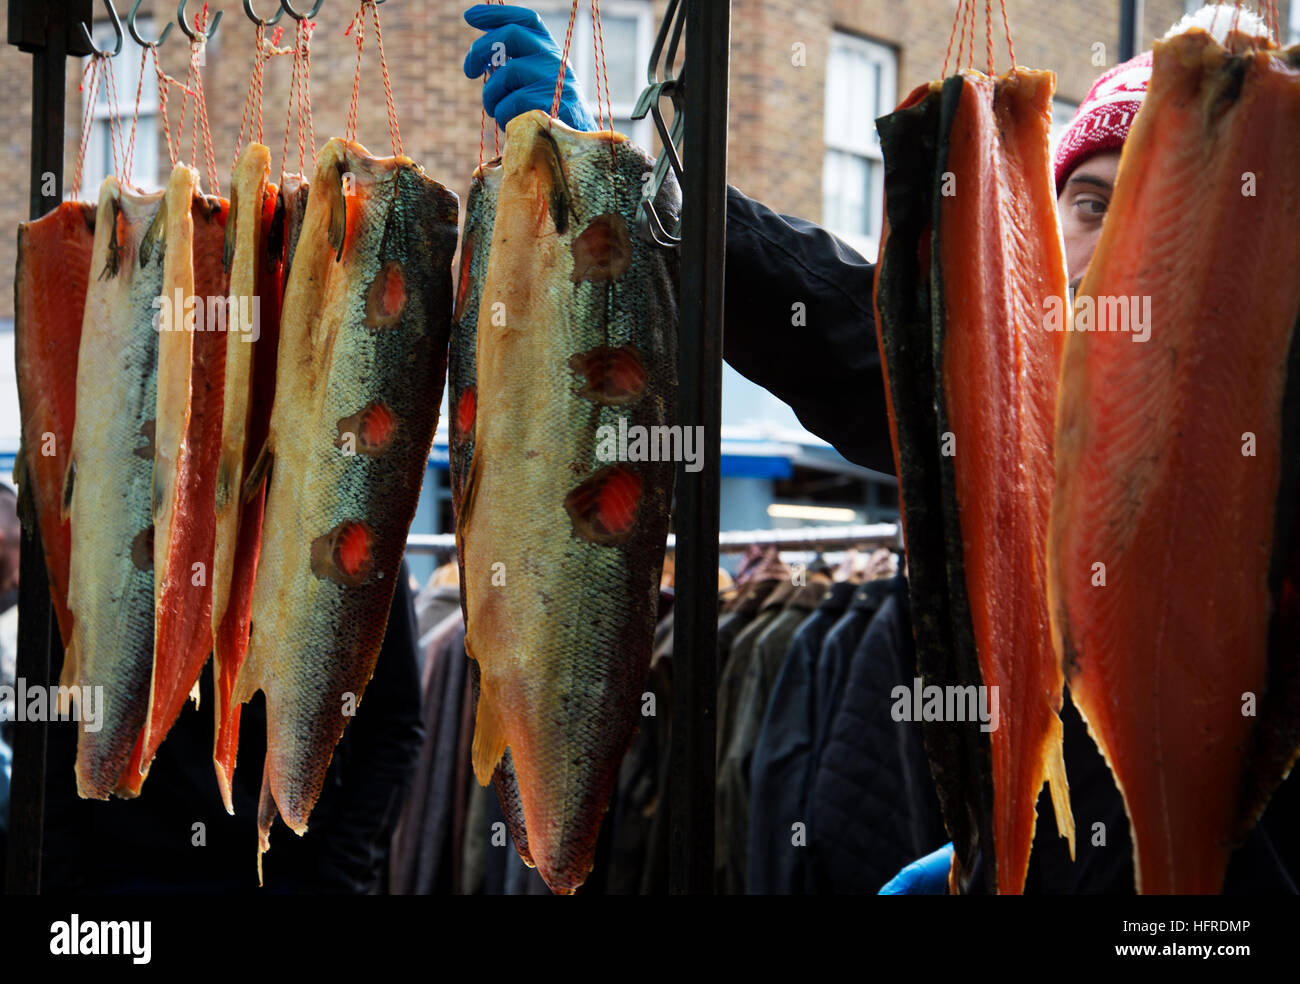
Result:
[360,370]
[562,542]
[254,267]
[1173,551]
[480,215]
[107,489]
[970,257]
[187,443]
[50,286]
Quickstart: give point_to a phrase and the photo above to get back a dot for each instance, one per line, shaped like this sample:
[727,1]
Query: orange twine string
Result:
[359,22]
[114,124]
[300,98]
[951,35]
[1006,26]
[483,117]
[135,117]
[564,61]
[91,72]
[265,51]
[988,32]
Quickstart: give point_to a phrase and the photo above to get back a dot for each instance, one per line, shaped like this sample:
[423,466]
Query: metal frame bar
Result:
[49,30]
[695,626]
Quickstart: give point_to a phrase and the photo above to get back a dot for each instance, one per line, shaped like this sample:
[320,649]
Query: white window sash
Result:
[878,56]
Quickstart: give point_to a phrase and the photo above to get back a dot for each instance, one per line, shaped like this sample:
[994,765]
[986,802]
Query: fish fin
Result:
[261,470]
[338,228]
[26,497]
[154,238]
[71,670]
[228,243]
[266,813]
[490,740]
[1059,787]
[69,483]
[560,198]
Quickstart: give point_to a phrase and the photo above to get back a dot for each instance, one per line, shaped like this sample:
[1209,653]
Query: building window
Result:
[861,79]
[628,29]
[126,77]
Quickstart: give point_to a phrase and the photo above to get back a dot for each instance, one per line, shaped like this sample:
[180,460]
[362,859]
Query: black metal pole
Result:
[1128,29]
[695,629]
[45,28]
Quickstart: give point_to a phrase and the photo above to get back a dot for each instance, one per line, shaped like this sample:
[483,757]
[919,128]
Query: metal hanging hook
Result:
[262,21]
[287,7]
[185,28]
[117,29]
[135,32]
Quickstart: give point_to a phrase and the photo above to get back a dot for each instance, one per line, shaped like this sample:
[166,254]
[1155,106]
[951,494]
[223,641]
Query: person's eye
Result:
[1091,207]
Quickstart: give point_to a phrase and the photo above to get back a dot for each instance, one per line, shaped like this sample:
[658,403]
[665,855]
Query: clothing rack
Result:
[732,541]
[51,30]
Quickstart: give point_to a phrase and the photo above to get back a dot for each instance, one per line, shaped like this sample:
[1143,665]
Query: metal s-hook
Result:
[135,32]
[117,29]
[287,7]
[262,21]
[192,35]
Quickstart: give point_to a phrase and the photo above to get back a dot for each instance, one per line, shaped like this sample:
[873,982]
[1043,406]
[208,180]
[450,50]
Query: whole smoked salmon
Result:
[987,228]
[361,365]
[107,488]
[191,368]
[1172,550]
[249,387]
[562,544]
[476,241]
[50,288]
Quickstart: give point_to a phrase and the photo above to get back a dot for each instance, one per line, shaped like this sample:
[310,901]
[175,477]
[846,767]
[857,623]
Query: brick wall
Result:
[776,146]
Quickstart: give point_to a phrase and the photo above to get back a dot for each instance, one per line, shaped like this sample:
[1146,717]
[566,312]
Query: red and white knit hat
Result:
[1105,115]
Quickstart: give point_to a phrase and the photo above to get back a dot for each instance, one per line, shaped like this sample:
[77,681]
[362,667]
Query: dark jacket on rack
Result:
[781,768]
[862,828]
[757,675]
[837,656]
[422,844]
[149,844]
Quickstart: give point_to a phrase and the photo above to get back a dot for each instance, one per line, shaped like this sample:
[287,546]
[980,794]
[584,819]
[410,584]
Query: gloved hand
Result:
[928,876]
[527,78]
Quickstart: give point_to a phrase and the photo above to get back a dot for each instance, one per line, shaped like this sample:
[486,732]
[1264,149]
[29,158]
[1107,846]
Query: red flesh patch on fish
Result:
[612,376]
[603,251]
[387,296]
[466,407]
[603,508]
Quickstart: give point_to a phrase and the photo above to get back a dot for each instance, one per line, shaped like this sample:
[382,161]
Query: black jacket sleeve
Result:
[821,359]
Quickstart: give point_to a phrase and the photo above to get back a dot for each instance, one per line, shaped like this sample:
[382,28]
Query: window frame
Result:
[886,56]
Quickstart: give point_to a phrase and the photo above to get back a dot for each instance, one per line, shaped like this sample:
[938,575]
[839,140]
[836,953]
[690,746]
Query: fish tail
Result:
[490,737]
[71,671]
[1058,785]
[266,811]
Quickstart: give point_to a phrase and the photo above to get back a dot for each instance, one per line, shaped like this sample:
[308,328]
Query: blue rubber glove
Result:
[928,876]
[526,80]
